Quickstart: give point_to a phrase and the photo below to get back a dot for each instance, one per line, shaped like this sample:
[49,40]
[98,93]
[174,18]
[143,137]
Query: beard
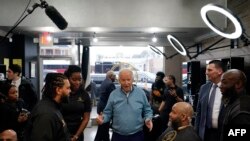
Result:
[65,99]
[175,124]
[230,93]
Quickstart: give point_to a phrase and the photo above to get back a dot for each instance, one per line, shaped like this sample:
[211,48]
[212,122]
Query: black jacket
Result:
[47,122]
[236,114]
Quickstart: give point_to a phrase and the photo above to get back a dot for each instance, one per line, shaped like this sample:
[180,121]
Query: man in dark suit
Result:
[209,103]
[26,89]
[106,88]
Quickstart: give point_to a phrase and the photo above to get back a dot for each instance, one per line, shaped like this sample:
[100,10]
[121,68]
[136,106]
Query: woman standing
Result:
[76,111]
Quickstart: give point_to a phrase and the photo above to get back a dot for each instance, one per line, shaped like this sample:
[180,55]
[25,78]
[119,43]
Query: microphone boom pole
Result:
[50,11]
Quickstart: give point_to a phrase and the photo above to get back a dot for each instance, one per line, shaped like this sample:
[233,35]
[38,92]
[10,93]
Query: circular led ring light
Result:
[183,52]
[225,12]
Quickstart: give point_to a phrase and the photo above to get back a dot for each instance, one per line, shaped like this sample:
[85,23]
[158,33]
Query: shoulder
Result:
[116,92]
[205,86]
[241,107]
[45,106]
[83,94]
[188,134]
[138,90]
[25,81]
[208,84]
[168,134]
[178,88]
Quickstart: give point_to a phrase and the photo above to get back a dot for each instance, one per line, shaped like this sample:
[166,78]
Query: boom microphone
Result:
[56,17]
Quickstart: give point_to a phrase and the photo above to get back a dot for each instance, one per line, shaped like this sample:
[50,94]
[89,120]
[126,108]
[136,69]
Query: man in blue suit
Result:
[209,103]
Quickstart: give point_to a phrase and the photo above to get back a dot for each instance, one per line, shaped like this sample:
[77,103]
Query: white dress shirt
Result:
[217,105]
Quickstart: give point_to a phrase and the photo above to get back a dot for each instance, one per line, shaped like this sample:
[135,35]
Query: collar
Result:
[17,81]
[127,93]
[183,127]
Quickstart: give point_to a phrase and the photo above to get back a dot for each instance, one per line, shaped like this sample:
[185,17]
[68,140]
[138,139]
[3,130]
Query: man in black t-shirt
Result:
[172,95]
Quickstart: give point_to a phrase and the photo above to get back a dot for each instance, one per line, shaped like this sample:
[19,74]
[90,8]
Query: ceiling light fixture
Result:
[226,12]
[171,39]
[49,38]
[157,51]
[94,38]
[154,39]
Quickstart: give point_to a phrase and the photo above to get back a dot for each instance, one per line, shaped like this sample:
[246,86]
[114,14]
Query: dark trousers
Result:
[102,133]
[134,137]
[211,134]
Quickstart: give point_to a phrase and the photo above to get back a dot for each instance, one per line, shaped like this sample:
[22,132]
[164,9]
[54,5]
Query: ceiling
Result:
[119,36]
[122,27]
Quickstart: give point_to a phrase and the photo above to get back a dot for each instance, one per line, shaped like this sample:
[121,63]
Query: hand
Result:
[99,119]
[22,117]
[149,124]
[74,138]
[172,93]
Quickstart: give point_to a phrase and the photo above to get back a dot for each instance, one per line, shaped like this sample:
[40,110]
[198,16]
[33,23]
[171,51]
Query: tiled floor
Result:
[90,131]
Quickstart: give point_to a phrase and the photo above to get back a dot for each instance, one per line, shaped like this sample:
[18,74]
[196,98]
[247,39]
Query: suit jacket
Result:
[200,121]
[105,89]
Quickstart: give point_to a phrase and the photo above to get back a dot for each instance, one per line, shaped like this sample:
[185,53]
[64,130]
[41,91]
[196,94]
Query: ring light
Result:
[226,12]
[170,39]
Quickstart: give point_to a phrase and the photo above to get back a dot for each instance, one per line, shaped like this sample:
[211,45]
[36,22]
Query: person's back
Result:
[46,121]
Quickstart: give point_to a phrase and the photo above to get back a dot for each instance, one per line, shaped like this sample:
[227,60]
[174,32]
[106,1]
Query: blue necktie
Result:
[210,107]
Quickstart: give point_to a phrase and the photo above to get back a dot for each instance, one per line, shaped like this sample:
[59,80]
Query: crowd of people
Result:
[64,110]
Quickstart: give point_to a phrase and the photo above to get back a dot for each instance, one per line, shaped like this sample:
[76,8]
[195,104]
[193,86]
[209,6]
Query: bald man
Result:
[180,128]
[236,104]
[8,135]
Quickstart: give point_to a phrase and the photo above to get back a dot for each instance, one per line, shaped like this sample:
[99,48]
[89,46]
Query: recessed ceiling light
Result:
[154,39]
